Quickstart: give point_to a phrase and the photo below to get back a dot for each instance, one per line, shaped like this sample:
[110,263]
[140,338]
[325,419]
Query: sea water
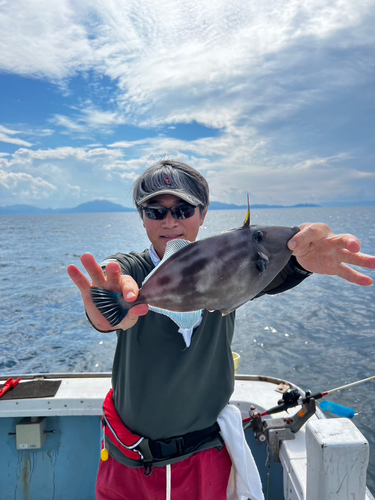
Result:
[320,335]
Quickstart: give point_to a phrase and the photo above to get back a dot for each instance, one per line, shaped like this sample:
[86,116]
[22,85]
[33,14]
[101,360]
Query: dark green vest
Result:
[161,388]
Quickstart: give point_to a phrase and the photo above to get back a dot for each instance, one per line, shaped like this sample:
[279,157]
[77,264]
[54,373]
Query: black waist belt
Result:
[165,449]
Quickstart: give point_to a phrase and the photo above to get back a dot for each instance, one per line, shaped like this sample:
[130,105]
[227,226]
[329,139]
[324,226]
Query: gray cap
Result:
[176,192]
[171,177]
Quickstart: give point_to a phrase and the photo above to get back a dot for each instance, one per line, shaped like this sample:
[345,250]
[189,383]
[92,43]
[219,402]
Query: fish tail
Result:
[110,304]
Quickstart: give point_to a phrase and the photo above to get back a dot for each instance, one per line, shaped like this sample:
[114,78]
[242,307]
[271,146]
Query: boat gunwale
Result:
[64,375]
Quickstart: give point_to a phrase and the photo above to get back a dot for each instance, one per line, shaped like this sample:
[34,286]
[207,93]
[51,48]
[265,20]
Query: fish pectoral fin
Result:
[110,304]
[263,256]
[173,246]
[261,261]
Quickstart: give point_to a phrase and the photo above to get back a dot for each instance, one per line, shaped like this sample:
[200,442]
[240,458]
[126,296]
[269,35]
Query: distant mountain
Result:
[216,205]
[101,206]
[23,210]
[96,206]
[365,203]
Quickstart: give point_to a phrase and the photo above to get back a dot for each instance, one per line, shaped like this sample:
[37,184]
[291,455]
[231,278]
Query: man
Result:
[160,425]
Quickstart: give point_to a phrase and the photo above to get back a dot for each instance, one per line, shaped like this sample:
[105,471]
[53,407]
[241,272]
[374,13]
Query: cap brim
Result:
[175,192]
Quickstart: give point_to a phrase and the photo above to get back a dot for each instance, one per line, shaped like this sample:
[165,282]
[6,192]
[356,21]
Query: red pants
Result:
[203,476]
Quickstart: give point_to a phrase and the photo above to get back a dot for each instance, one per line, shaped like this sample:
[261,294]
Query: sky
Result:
[275,99]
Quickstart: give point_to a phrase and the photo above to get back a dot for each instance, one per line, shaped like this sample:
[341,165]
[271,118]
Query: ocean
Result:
[320,335]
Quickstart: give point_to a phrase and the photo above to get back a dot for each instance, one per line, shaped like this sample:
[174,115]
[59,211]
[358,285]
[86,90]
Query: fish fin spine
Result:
[247,219]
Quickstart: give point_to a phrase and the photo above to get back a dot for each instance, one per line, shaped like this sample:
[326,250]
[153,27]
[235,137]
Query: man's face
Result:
[160,232]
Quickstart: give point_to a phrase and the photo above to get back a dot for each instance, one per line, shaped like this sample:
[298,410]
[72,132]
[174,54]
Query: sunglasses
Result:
[179,212]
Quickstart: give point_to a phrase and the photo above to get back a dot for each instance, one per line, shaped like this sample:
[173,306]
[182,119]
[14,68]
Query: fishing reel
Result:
[275,430]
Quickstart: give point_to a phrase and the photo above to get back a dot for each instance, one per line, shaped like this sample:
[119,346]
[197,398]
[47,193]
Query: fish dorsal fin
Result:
[172,247]
[247,219]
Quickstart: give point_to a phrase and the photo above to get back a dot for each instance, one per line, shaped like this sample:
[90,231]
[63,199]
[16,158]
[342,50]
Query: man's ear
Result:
[203,216]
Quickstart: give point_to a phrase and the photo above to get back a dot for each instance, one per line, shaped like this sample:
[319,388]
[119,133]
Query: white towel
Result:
[244,480]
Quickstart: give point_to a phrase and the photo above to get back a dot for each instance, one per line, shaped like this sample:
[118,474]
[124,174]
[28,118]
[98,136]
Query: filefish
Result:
[219,273]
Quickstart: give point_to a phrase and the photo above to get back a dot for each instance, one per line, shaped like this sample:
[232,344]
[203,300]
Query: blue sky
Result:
[272,98]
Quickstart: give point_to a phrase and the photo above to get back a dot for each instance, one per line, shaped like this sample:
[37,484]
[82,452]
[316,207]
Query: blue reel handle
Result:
[341,411]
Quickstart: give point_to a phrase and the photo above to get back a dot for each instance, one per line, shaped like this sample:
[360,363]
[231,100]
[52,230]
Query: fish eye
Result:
[258,236]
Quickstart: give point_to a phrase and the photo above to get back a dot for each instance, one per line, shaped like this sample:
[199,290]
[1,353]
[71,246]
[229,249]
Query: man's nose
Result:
[169,221]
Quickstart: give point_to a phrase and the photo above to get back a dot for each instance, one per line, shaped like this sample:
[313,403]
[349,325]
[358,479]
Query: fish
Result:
[219,273]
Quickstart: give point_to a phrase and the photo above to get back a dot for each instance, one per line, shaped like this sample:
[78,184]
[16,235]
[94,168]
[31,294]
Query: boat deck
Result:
[82,396]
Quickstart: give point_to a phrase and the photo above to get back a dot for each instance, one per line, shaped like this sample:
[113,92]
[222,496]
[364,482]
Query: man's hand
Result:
[320,251]
[112,280]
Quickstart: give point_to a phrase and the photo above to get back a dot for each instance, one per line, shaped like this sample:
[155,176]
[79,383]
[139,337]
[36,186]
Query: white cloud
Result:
[43,39]
[25,156]
[14,140]
[123,144]
[75,190]
[234,66]
[69,124]
[97,118]
[8,131]
[289,181]
[182,61]
[234,165]
[7,135]
[216,59]
[29,187]
[363,175]
[61,174]
[129,175]
[88,119]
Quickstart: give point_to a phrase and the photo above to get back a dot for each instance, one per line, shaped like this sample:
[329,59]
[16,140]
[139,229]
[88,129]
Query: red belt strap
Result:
[116,431]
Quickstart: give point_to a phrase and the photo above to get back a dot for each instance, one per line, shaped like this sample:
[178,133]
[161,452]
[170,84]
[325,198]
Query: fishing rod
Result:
[275,430]
[346,386]
[341,411]
[293,398]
